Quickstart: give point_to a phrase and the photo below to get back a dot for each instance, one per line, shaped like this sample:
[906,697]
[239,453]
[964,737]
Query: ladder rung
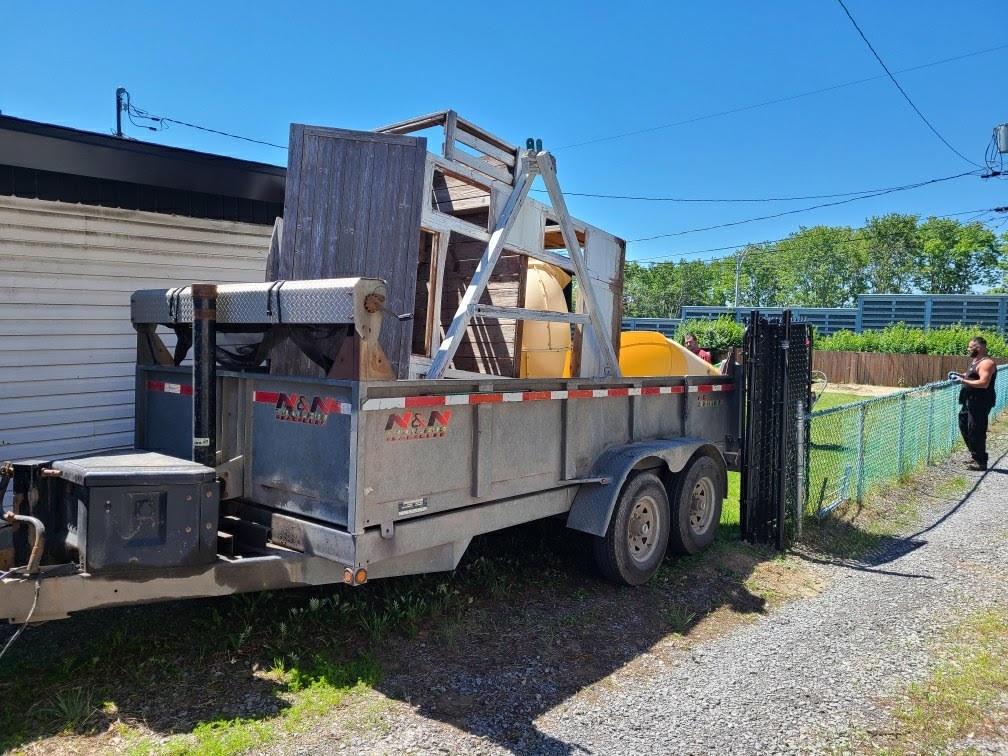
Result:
[520,313]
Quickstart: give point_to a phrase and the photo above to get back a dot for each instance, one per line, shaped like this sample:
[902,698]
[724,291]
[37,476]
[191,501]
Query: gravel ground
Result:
[806,678]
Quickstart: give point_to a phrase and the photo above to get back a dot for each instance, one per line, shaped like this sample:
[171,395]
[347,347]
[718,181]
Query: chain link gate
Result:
[777,356]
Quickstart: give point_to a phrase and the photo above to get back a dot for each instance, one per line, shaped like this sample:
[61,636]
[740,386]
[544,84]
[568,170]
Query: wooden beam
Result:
[433,220]
[451,118]
[508,158]
[523,313]
[414,124]
[493,171]
[482,133]
[439,261]
[459,171]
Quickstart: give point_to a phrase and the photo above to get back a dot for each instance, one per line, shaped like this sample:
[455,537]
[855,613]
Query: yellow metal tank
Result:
[644,353]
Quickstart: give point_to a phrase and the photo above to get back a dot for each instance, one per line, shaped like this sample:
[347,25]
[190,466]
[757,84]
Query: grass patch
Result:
[730,527]
[221,737]
[965,700]
[831,399]
[952,487]
[854,529]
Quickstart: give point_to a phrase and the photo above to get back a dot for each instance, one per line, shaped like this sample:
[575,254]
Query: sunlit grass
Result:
[964,700]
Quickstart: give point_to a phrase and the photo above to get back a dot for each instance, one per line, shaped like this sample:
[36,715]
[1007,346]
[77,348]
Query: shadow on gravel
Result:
[874,550]
[528,625]
[523,653]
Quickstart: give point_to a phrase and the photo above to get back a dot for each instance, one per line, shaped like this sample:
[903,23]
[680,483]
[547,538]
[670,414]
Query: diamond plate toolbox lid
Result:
[331,301]
[133,468]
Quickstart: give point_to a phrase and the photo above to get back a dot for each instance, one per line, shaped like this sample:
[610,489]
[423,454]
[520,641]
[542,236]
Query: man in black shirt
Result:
[977,399]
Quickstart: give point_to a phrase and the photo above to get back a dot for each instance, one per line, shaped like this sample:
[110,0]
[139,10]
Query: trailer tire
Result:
[634,545]
[697,502]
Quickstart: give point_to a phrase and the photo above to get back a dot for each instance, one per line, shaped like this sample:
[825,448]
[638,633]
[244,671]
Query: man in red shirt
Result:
[690,342]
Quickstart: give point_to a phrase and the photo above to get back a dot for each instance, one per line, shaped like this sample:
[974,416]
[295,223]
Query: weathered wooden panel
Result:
[352,208]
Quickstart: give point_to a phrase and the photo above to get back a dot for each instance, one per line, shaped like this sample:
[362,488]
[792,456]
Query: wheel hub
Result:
[642,525]
[701,509]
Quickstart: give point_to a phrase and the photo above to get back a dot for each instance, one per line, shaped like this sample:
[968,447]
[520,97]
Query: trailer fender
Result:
[593,505]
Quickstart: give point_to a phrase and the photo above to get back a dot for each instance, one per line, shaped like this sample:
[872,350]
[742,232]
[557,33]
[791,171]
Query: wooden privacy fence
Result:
[875,369]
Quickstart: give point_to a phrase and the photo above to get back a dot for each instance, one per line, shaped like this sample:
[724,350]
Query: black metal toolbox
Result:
[139,509]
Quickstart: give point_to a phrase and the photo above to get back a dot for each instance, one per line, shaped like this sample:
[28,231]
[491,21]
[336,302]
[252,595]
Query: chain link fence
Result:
[857,447]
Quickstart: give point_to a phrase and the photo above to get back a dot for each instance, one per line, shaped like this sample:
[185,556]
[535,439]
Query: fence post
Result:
[930,421]
[899,438]
[862,411]
[953,425]
[802,457]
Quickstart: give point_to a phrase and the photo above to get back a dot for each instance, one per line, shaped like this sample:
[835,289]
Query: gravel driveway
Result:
[803,678]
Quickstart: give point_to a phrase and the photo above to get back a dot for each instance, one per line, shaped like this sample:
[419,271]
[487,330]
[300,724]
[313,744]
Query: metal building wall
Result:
[67,349]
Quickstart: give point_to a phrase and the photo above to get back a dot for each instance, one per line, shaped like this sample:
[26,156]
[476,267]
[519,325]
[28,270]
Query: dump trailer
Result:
[250,473]
[246,481]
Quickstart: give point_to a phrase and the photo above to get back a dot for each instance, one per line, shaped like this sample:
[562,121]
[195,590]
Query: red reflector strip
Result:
[536,396]
[266,397]
[169,388]
[409,402]
[424,401]
[715,387]
[485,398]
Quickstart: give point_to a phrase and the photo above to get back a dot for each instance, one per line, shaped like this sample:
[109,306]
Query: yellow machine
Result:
[644,353]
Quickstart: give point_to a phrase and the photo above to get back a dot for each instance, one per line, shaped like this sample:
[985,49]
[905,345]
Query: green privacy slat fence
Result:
[858,447]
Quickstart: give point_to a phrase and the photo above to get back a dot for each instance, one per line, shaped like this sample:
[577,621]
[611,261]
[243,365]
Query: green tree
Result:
[891,245]
[953,257]
[1002,267]
[822,266]
[759,280]
[661,290]
[643,287]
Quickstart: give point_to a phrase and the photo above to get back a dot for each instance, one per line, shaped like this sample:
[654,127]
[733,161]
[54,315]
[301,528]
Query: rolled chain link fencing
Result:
[858,447]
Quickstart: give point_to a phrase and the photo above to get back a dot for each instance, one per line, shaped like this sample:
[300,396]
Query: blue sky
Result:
[627,96]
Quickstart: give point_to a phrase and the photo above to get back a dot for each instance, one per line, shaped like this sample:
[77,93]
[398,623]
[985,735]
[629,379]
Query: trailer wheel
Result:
[697,501]
[634,545]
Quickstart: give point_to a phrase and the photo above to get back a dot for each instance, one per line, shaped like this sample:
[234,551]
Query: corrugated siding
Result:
[67,349]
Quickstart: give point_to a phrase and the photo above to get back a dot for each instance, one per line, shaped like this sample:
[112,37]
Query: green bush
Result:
[902,339]
[716,336]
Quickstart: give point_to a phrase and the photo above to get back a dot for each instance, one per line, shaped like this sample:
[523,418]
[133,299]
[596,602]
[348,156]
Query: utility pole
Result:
[998,147]
[738,272]
[120,93]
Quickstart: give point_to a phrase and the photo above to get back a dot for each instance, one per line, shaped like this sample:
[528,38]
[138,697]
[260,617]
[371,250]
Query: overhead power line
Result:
[163,119]
[775,101]
[900,88]
[476,192]
[869,195]
[134,112]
